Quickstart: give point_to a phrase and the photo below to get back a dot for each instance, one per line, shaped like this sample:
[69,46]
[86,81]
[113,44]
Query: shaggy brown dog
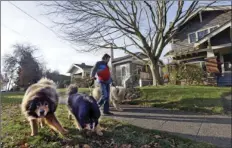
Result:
[39,105]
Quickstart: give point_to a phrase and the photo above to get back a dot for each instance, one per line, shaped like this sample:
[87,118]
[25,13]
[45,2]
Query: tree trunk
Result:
[8,85]
[157,79]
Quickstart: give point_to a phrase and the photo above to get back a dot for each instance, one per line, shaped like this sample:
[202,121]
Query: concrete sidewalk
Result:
[215,129]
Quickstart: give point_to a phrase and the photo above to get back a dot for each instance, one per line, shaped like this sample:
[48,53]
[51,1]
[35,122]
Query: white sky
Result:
[17,27]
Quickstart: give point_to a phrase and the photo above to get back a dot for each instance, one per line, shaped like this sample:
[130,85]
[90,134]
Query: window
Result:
[139,70]
[196,36]
[123,71]
[192,37]
[213,28]
[202,34]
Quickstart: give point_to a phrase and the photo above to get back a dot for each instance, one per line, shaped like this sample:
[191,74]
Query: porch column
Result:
[83,74]
[230,33]
[222,60]
[210,52]
[200,15]
[71,77]
[140,83]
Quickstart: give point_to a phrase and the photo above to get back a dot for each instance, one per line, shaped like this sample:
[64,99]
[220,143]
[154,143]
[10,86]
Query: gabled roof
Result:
[201,9]
[213,33]
[129,58]
[141,55]
[170,52]
[81,66]
[205,38]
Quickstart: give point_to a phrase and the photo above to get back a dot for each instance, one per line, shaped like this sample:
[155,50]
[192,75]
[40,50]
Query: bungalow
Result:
[206,37]
[128,71]
[79,70]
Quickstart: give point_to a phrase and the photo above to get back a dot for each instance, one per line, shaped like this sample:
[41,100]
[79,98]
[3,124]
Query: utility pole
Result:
[112,65]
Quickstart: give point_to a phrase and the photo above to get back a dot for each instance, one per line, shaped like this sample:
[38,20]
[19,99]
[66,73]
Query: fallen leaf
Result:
[77,146]
[157,136]
[125,146]
[25,145]
[86,146]
[145,146]
[157,145]
[112,142]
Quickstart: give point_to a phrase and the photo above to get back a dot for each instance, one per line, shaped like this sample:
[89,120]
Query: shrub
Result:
[63,84]
[191,74]
[81,82]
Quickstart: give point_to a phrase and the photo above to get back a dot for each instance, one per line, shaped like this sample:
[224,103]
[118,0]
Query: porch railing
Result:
[145,76]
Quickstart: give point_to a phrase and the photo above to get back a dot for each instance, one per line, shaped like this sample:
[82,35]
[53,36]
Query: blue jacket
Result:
[103,72]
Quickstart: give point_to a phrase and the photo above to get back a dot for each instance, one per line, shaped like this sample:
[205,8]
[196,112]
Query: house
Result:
[206,34]
[79,70]
[129,71]
[126,71]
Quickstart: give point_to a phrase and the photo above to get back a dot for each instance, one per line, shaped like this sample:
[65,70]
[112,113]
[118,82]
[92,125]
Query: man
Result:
[104,79]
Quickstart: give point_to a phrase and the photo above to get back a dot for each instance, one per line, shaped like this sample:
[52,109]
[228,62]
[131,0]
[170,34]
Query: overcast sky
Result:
[17,27]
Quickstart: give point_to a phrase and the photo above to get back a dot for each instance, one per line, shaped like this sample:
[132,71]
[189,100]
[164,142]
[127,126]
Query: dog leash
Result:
[92,83]
[90,86]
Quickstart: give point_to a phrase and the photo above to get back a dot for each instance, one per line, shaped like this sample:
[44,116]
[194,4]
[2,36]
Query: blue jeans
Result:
[105,95]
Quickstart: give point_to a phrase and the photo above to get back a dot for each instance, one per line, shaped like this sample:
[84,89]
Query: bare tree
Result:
[4,80]
[123,25]
[22,66]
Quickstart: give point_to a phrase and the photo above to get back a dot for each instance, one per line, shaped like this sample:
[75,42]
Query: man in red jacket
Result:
[104,79]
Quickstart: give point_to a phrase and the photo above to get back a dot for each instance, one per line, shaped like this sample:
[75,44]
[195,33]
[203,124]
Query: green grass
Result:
[16,97]
[16,131]
[189,98]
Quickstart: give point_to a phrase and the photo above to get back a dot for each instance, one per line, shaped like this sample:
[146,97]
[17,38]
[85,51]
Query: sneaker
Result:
[107,113]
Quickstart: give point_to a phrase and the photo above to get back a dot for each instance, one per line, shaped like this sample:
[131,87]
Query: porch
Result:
[225,57]
[140,76]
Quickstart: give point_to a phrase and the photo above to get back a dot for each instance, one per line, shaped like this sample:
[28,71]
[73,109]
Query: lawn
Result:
[189,98]
[15,132]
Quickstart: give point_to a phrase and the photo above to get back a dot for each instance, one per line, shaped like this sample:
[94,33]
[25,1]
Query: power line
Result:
[37,21]
[32,17]
[14,31]
[53,30]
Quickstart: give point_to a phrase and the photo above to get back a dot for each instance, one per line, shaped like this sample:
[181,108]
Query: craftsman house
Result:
[206,34]
[128,71]
[79,70]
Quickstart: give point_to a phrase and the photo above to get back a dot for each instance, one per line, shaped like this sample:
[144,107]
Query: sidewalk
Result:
[215,129]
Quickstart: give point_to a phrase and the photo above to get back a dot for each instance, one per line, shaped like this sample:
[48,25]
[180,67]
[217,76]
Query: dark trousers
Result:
[105,95]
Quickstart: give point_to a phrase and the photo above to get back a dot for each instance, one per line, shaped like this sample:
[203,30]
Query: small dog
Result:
[116,95]
[85,110]
[39,105]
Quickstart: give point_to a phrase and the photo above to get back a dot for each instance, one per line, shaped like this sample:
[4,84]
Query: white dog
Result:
[117,95]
